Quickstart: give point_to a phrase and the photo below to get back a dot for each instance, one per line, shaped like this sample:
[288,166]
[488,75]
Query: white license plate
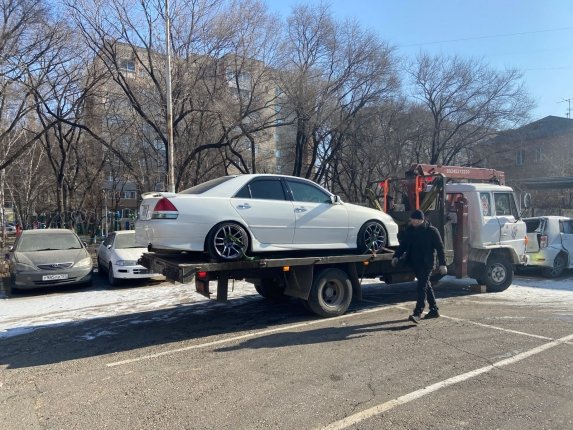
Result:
[54,277]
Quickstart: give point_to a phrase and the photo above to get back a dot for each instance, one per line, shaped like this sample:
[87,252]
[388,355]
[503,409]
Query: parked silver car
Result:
[550,244]
[44,258]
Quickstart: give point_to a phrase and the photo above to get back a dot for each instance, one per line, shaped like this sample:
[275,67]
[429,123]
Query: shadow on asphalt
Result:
[190,322]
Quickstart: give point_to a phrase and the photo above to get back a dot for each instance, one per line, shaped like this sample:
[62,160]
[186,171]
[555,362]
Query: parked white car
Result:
[117,257]
[550,244]
[232,216]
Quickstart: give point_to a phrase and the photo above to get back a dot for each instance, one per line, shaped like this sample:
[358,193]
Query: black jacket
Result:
[419,244]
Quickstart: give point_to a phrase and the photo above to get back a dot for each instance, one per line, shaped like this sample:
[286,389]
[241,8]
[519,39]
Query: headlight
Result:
[84,262]
[21,267]
[126,263]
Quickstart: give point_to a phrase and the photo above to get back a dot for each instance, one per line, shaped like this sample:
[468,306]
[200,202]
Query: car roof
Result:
[123,232]
[46,231]
[558,217]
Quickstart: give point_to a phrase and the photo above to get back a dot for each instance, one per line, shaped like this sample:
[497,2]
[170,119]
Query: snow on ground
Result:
[25,314]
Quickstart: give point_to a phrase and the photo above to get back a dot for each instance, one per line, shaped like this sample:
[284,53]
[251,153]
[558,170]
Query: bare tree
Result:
[332,71]
[220,79]
[467,102]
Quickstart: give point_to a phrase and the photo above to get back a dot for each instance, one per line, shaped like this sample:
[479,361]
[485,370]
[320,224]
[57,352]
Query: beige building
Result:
[537,158]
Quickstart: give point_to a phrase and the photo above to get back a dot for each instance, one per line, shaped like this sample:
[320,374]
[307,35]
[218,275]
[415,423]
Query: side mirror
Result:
[108,246]
[335,200]
[526,201]
[85,244]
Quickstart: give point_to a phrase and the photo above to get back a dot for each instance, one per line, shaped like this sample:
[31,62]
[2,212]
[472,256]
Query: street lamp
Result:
[105,229]
[170,157]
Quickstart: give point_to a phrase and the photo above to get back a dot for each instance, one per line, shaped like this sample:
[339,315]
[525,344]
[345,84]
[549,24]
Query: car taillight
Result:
[543,241]
[164,209]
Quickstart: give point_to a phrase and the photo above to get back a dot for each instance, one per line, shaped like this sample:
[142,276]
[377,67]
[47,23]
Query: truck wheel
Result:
[271,289]
[559,264]
[227,241]
[372,237]
[498,274]
[331,293]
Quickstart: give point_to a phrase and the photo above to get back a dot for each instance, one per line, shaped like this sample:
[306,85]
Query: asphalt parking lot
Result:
[498,361]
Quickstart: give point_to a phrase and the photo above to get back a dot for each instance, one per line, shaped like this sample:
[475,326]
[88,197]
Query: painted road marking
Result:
[298,325]
[248,336]
[386,406]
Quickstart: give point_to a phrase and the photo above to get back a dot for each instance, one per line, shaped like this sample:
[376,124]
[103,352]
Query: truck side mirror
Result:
[526,200]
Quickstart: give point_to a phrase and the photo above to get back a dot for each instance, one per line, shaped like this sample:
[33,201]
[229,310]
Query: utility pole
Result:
[569,106]
[170,157]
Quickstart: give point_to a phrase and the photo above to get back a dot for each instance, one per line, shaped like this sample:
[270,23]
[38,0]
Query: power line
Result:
[569,106]
[492,36]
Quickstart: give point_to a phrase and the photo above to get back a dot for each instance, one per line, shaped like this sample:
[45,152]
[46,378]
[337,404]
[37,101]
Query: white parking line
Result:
[491,326]
[247,336]
[386,406]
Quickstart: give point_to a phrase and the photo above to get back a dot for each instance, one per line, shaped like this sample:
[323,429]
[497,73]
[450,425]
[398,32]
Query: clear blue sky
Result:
[534,36]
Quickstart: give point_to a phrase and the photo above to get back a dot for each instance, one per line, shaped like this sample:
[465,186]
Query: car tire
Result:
[331,293]
[559,264]
[497,274]
[372,237]
[101,270]
[113,281]
[272,290]
[227,241]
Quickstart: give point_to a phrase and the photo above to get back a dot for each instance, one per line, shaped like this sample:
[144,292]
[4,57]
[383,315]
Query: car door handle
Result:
[245,206]
[299,210]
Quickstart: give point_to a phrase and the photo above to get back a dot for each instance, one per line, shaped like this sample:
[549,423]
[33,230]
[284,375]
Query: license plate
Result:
[54,277]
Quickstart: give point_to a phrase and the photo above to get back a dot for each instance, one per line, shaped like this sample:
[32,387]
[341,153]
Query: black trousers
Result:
[424,290]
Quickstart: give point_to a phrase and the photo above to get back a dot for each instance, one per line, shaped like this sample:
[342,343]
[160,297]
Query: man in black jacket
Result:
[419,243]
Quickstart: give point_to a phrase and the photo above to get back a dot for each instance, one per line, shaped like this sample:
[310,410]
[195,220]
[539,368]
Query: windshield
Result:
[124,241]
[48,242]
[206,186]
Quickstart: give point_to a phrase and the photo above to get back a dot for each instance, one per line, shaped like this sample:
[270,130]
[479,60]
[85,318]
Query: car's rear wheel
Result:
[559,264]
[227,241]
[372,237]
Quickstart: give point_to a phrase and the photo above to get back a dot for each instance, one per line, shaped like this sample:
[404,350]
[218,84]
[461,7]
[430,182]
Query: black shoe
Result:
[432,314]
[414,318]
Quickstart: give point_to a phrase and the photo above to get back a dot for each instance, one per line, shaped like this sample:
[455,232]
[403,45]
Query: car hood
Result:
[47,257]
[129,253]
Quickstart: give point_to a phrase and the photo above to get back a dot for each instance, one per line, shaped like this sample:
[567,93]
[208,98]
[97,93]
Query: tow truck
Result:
[476,214]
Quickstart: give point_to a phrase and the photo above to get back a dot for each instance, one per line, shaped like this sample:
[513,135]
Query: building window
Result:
[519,160]
[128,195]
[538,155]
[127,66]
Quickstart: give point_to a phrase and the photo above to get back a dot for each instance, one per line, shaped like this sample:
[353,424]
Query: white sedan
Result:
[234,216]
[117,256]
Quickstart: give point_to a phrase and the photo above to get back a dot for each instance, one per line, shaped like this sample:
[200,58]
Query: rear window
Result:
[206,186]
[535,225]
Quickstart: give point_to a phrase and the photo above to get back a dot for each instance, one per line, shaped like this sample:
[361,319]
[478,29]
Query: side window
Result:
[485,203]
[265,189]
[303,192]
[505,204]
[109,240]
[567,227]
